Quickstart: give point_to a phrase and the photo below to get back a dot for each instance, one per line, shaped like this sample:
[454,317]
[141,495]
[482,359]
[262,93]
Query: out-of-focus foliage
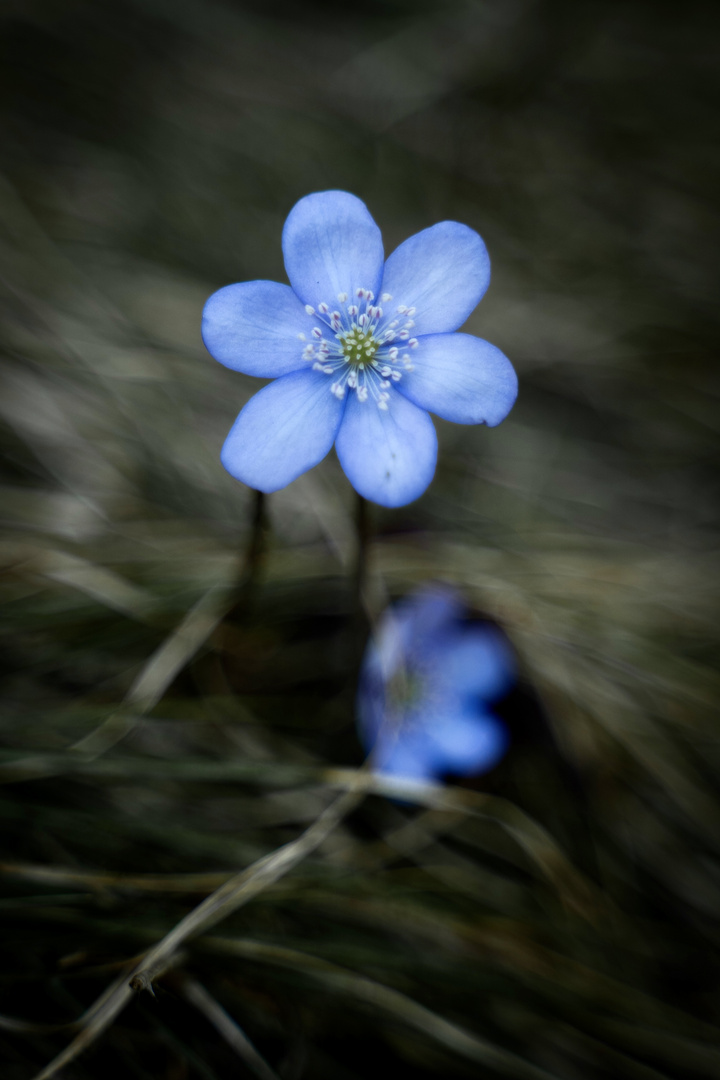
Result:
[562,915]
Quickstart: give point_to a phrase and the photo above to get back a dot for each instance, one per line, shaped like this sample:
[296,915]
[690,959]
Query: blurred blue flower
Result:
[359,352]
[427,680]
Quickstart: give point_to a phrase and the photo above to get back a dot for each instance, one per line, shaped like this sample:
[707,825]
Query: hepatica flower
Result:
[360,351]
[427,684]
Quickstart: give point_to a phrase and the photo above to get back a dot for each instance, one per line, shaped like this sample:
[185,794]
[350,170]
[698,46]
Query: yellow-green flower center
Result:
[358,346]
[404,689]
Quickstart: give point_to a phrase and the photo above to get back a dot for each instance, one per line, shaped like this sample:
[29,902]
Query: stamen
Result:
[310,309]
[342,297]
[323,308]
[385,297]
[317,332]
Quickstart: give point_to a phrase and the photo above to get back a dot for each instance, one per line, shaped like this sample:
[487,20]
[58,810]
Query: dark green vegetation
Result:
[560,916]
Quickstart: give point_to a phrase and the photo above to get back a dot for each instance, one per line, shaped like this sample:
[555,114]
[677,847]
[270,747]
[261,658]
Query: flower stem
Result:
[252,561]
[257,547]
[363,530]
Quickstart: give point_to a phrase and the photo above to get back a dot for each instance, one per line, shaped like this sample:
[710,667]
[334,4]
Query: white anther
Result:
[395,322]
[317,366]
[410,312]
[404,335]
[360,293]
[302,337]
[402,310]
[363,320]
[409,367]
[369,295]
[384,397]
[409,323]
[308,353]
[362,393]
[393,354]
[338,390]
[323,308]
[310,309]
[317,332]
[342,297]
[413,343]
[328,369]
[352,380]
[389,335]
[352,310]
[385,297]
[384,384]
[378,313]
[382,405]
[396,376]
[386,372]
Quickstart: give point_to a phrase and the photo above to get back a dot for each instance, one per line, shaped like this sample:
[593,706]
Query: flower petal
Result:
[413,629]
[255,327]
[331,246]
[388,456]
[467,743]
[474,660]
[410,755]
[283,431]
[442,272]
[461,378]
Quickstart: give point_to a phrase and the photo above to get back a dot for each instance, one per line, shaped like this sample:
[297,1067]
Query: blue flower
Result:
[358,351]
[427,679]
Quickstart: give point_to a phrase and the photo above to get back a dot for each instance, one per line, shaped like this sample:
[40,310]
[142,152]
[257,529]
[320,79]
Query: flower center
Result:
[404,690]
[358,346]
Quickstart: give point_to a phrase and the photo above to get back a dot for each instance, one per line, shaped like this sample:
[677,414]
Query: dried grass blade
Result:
[230,1030]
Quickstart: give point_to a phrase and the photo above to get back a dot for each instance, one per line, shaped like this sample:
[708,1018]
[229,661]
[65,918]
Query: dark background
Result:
[151,152]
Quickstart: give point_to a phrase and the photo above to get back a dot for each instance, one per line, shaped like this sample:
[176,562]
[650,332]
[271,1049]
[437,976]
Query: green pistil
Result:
[358,346]
[403,690]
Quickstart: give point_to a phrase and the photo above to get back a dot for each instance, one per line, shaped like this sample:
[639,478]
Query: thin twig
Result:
[228,898]
[230,1030]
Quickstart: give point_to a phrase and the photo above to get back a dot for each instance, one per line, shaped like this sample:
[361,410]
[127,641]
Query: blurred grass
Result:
[563,916]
